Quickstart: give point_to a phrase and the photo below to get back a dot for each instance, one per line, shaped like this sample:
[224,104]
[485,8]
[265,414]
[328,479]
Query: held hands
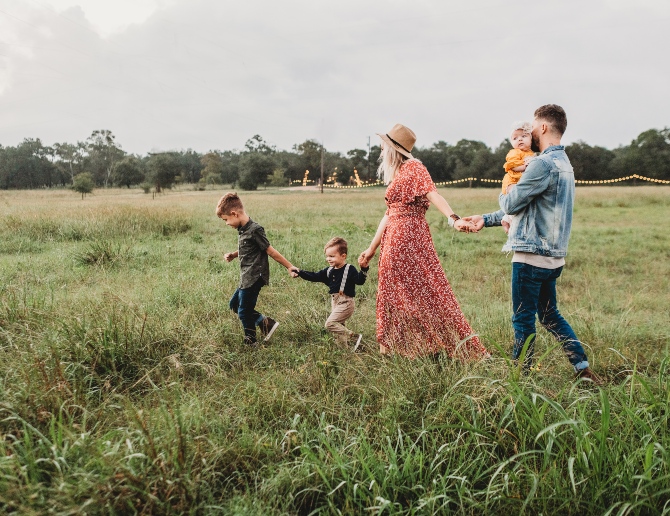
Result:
[365,257]
[476,220]
[465,226]
[293,271]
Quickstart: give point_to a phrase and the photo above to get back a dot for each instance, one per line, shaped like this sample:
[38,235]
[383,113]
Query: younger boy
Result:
[516,161]
[341,279]
[253,251]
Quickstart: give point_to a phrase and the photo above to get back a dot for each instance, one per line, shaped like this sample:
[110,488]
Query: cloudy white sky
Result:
[209,74]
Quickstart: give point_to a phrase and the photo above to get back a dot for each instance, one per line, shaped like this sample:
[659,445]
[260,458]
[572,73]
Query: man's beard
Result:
[534,144]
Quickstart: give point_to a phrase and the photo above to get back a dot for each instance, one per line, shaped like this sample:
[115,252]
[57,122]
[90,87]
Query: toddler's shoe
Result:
[268,327]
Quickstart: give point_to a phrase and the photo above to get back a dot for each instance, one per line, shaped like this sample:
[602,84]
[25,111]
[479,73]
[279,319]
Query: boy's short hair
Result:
[228,203]
[555,115]
[526,127]
[338,242]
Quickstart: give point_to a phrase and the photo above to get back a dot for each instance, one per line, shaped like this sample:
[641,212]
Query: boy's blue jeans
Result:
[534,292]
[243,303]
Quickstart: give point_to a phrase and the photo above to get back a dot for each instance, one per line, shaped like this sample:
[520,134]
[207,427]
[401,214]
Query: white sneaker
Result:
[358,342]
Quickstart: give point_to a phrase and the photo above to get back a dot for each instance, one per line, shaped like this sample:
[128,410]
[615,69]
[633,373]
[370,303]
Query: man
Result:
[539,234]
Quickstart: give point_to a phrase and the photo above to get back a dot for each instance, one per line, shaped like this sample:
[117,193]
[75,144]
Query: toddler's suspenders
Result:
[344,276]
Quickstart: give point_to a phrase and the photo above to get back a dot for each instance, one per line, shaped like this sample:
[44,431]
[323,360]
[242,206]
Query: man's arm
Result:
[493,219]
[533,182]
[487,220]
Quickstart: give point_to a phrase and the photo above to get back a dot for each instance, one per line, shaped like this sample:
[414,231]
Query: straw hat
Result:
[401,138]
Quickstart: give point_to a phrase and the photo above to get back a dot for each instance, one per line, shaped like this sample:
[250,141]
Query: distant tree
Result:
[83,183]
[291,163]
[373,158]
[647,155]
[337,165]
[129,171]
[28,165]
[256,163]
[358,159]
[70,157]
[590,163]
[257,144]
[309,158]
[484,165]
[254,170]
[103,152]
[437,159]
[163,168]
[191,166]
[277,178]
[231,167]
[212,168]
[469,158]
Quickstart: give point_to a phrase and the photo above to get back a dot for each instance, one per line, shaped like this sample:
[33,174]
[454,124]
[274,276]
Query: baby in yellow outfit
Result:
[516,160]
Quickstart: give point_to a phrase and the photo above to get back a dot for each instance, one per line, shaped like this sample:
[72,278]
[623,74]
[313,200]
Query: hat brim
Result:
[396,147]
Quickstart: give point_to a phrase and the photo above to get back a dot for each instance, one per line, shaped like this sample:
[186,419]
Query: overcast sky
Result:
[209,74]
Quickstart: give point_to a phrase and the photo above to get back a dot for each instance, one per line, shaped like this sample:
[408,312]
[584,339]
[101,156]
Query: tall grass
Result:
[125,388]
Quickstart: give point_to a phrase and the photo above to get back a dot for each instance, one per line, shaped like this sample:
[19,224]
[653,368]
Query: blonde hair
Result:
[228,203]
[389,163]
[526,127]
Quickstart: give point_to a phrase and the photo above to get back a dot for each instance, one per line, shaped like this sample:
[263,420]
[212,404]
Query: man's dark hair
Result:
[554,115]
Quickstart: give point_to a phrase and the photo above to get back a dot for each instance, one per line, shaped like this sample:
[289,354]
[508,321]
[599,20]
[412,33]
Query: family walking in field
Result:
[417,312]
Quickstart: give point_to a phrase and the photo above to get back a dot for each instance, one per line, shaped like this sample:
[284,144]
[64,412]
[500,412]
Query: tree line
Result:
[100,161]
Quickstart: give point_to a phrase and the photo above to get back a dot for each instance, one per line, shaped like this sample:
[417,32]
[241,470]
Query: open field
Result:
[124,386]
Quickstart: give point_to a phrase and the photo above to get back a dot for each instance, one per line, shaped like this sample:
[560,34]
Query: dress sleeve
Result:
[417,181]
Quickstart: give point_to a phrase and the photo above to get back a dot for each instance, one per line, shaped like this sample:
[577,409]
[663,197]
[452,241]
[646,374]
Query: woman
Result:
[417,312]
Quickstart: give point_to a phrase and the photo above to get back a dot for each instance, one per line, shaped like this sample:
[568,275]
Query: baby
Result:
[516,161]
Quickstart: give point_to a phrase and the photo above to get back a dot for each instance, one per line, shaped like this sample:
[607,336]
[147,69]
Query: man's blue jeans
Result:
[243,303]
[534,292]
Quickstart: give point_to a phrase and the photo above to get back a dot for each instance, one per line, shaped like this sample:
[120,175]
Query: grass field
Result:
[125,388]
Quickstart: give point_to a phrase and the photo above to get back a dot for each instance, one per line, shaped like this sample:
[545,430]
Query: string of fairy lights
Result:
[619,179]
[361,184]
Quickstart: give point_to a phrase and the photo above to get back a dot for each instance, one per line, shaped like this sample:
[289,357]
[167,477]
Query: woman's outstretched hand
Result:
[365,257]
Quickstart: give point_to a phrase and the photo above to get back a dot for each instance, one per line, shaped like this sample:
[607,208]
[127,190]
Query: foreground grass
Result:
[124,386]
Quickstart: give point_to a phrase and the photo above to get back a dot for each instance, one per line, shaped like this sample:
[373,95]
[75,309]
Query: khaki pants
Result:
[342,309]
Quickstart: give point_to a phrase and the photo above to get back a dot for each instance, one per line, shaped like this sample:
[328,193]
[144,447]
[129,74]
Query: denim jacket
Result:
[542,202]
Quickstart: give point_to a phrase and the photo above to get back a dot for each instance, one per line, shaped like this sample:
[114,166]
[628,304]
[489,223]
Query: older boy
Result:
[543,201]
[253,251]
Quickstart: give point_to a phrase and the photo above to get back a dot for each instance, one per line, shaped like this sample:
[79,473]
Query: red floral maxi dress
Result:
[417,312]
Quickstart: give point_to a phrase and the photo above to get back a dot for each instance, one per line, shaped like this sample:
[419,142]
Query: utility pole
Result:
[321,167]
[369,177]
